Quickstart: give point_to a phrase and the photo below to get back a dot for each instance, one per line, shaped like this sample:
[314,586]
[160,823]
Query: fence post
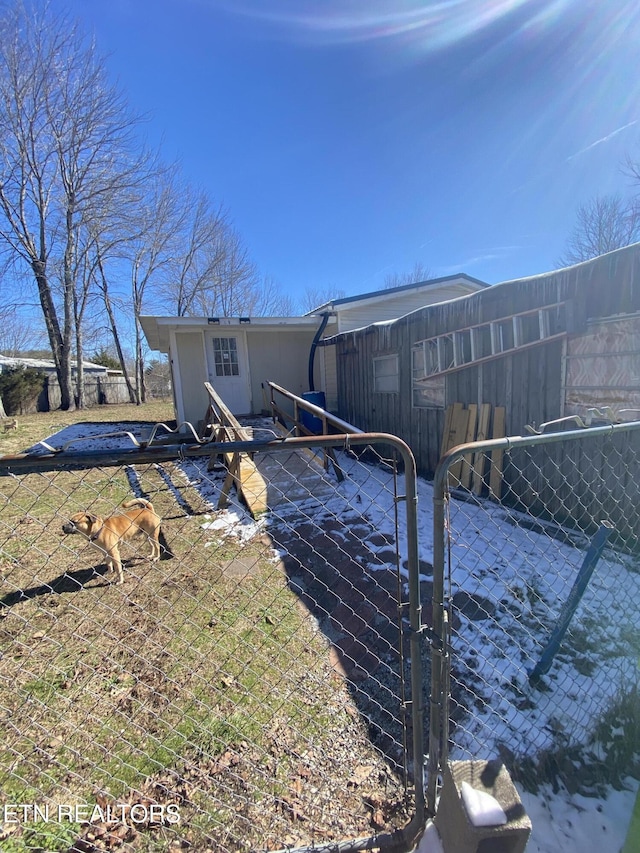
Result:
[438,700]
[415,615]
[566,614]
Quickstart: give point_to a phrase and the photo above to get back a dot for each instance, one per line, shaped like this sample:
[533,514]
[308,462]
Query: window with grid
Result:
[428,390]
[225,356]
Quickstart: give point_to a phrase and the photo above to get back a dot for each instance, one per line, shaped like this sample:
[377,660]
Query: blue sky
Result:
[350,139]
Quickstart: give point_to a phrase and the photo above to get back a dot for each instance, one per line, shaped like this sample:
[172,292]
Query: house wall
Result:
[527,382]
[361,314]
[530,383]
[603,367]
[280,358]
[329,376]
[189,372]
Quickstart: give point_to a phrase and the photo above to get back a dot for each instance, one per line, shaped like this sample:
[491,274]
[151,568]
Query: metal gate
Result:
[260,686]
[536,593]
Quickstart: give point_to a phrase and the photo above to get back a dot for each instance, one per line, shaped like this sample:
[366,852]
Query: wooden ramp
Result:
[221,425]
[251,486]
[268,479]
[294,476]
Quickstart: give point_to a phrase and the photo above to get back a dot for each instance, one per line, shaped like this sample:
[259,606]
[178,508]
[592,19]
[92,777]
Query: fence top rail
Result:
[517,441]
[23,463]
[335,421]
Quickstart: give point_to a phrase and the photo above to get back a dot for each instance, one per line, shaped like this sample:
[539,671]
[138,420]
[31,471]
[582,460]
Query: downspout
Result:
[314,346]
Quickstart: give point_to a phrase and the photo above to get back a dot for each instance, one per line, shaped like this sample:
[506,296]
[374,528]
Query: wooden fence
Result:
[98,391]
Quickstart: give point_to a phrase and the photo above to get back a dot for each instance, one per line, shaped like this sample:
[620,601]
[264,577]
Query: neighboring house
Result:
[238,356]
[47,366]
[543,347]
[101,384]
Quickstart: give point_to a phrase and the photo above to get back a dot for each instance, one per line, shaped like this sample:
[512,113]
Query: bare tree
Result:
[182,256]
[270,301]
[229,284]
[116,245]
[631,168]
[18,334]
[152,254]
[233,286]
[66,152]
[418,274]
[603,223]
[102,281]
[316,297]
[198,252]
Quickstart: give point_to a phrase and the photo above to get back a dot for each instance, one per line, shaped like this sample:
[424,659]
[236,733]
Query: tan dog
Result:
[105,534]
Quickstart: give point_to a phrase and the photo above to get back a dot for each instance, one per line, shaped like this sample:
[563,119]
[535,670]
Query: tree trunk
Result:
[142,391]
[114,331]
[79,395]
[59,349]
[69,297]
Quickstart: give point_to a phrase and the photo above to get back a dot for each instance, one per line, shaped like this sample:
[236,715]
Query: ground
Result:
[204,681]
[563,817]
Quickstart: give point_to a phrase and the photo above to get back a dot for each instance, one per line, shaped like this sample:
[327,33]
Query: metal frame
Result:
[182,446]
[441,659]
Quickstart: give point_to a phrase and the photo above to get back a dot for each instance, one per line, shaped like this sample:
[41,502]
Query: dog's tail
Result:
[138,502]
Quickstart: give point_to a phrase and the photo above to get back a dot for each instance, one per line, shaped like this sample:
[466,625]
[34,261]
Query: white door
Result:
[229,372]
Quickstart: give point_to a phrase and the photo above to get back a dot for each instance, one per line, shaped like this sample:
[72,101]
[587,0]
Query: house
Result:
[48,367]
[101,384]
[543,347]
[356,312]
[239,355]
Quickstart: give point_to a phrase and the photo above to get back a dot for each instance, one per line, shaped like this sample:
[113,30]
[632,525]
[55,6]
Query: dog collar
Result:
[94,536]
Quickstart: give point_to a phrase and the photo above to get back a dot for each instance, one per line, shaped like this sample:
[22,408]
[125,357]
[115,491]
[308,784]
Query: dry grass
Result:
[201,681]
[38,426]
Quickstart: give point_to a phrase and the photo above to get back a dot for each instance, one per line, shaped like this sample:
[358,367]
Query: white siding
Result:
[188,362]
[282,358]
[376,310]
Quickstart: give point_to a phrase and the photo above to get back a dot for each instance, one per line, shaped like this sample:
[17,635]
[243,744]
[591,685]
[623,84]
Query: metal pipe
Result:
[438,705]
[24,463]
[415,611]
[314,346]
[335,421]
[569,608]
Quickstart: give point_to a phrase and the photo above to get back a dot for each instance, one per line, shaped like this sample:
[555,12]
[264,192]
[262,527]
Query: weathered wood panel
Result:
[528,383]
[581,483]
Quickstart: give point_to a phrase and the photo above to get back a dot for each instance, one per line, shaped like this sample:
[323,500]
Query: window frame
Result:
[228,346]
[427,391]
[393,377]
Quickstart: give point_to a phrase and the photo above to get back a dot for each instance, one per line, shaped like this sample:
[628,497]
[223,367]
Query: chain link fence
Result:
[536,594]
[264,684]
[251,689]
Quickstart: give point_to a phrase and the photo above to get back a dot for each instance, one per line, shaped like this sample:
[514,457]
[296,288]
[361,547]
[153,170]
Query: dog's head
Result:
[82,522]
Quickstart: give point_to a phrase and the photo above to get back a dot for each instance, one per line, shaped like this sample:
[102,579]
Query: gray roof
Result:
[391,291]
[49,364]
